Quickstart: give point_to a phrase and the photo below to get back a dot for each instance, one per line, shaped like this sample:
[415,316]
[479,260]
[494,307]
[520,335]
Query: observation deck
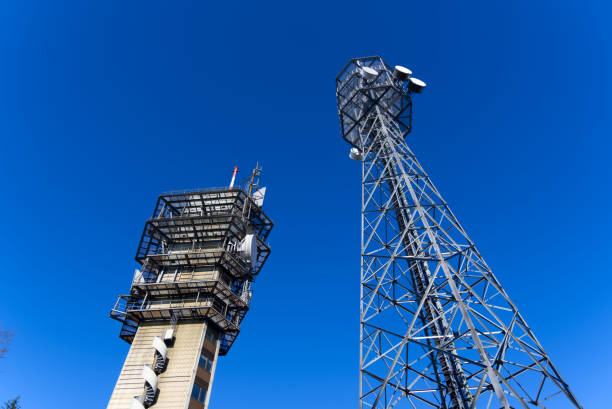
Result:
[199,253]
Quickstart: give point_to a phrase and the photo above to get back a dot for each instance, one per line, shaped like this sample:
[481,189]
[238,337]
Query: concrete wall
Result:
[176,382]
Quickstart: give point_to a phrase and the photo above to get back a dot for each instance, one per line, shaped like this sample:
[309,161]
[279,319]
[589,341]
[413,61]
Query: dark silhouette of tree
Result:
[12,404]
[5,337]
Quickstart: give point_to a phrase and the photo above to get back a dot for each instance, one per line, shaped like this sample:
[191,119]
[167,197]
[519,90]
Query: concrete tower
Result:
[199,254]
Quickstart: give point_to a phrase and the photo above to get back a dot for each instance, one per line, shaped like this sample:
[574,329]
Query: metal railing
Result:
[206,189]
[126,304]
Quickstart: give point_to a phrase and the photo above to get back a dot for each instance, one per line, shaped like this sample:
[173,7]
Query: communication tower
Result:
[199,253]
[437,328]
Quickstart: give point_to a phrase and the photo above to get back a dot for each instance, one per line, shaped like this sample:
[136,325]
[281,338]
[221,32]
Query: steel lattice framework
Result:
[437,328]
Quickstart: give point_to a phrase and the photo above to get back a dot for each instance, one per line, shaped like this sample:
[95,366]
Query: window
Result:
[198,393]
[202,395]
[205,362]
[195,392]
[211,335]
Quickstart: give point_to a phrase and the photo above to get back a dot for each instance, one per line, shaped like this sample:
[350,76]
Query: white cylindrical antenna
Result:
[369,73]
[231,186]
[402,73]
[416,85]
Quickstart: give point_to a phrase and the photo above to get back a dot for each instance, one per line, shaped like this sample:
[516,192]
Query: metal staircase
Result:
[151,372]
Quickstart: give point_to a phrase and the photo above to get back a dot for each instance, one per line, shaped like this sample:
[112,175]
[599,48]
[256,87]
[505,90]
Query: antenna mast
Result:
[437,328]
[254,182]
[231,186]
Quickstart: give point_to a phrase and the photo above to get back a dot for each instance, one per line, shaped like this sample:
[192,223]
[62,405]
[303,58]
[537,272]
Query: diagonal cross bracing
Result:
[437,328]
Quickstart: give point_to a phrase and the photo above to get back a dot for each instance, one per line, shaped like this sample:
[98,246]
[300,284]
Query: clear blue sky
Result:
[103,105]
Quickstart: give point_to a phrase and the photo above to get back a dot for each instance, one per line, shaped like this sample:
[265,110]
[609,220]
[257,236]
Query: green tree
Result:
[12,404]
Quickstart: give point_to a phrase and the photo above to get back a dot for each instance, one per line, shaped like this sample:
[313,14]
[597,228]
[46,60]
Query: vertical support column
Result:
[212,371]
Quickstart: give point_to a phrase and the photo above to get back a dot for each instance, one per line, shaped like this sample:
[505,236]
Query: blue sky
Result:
[103,105]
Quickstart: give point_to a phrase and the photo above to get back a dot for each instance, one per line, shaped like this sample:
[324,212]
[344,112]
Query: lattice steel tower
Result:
[199,253]
[437,328]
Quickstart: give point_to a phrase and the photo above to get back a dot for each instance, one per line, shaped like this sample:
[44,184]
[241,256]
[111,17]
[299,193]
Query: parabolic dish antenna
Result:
[402,73]
[355,154]
[369,73]
[416,85]
[248,248]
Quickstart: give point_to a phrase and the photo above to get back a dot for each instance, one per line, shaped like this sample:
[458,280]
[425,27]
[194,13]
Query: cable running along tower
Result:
[437,328]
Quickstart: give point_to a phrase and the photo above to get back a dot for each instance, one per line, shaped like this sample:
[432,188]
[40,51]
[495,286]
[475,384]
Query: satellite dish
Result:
[402,73]
[369,73]
[416,85]
[355,154]
[248,248]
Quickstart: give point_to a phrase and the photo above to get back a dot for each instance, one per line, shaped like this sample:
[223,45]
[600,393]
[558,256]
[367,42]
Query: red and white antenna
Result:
[233,177]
